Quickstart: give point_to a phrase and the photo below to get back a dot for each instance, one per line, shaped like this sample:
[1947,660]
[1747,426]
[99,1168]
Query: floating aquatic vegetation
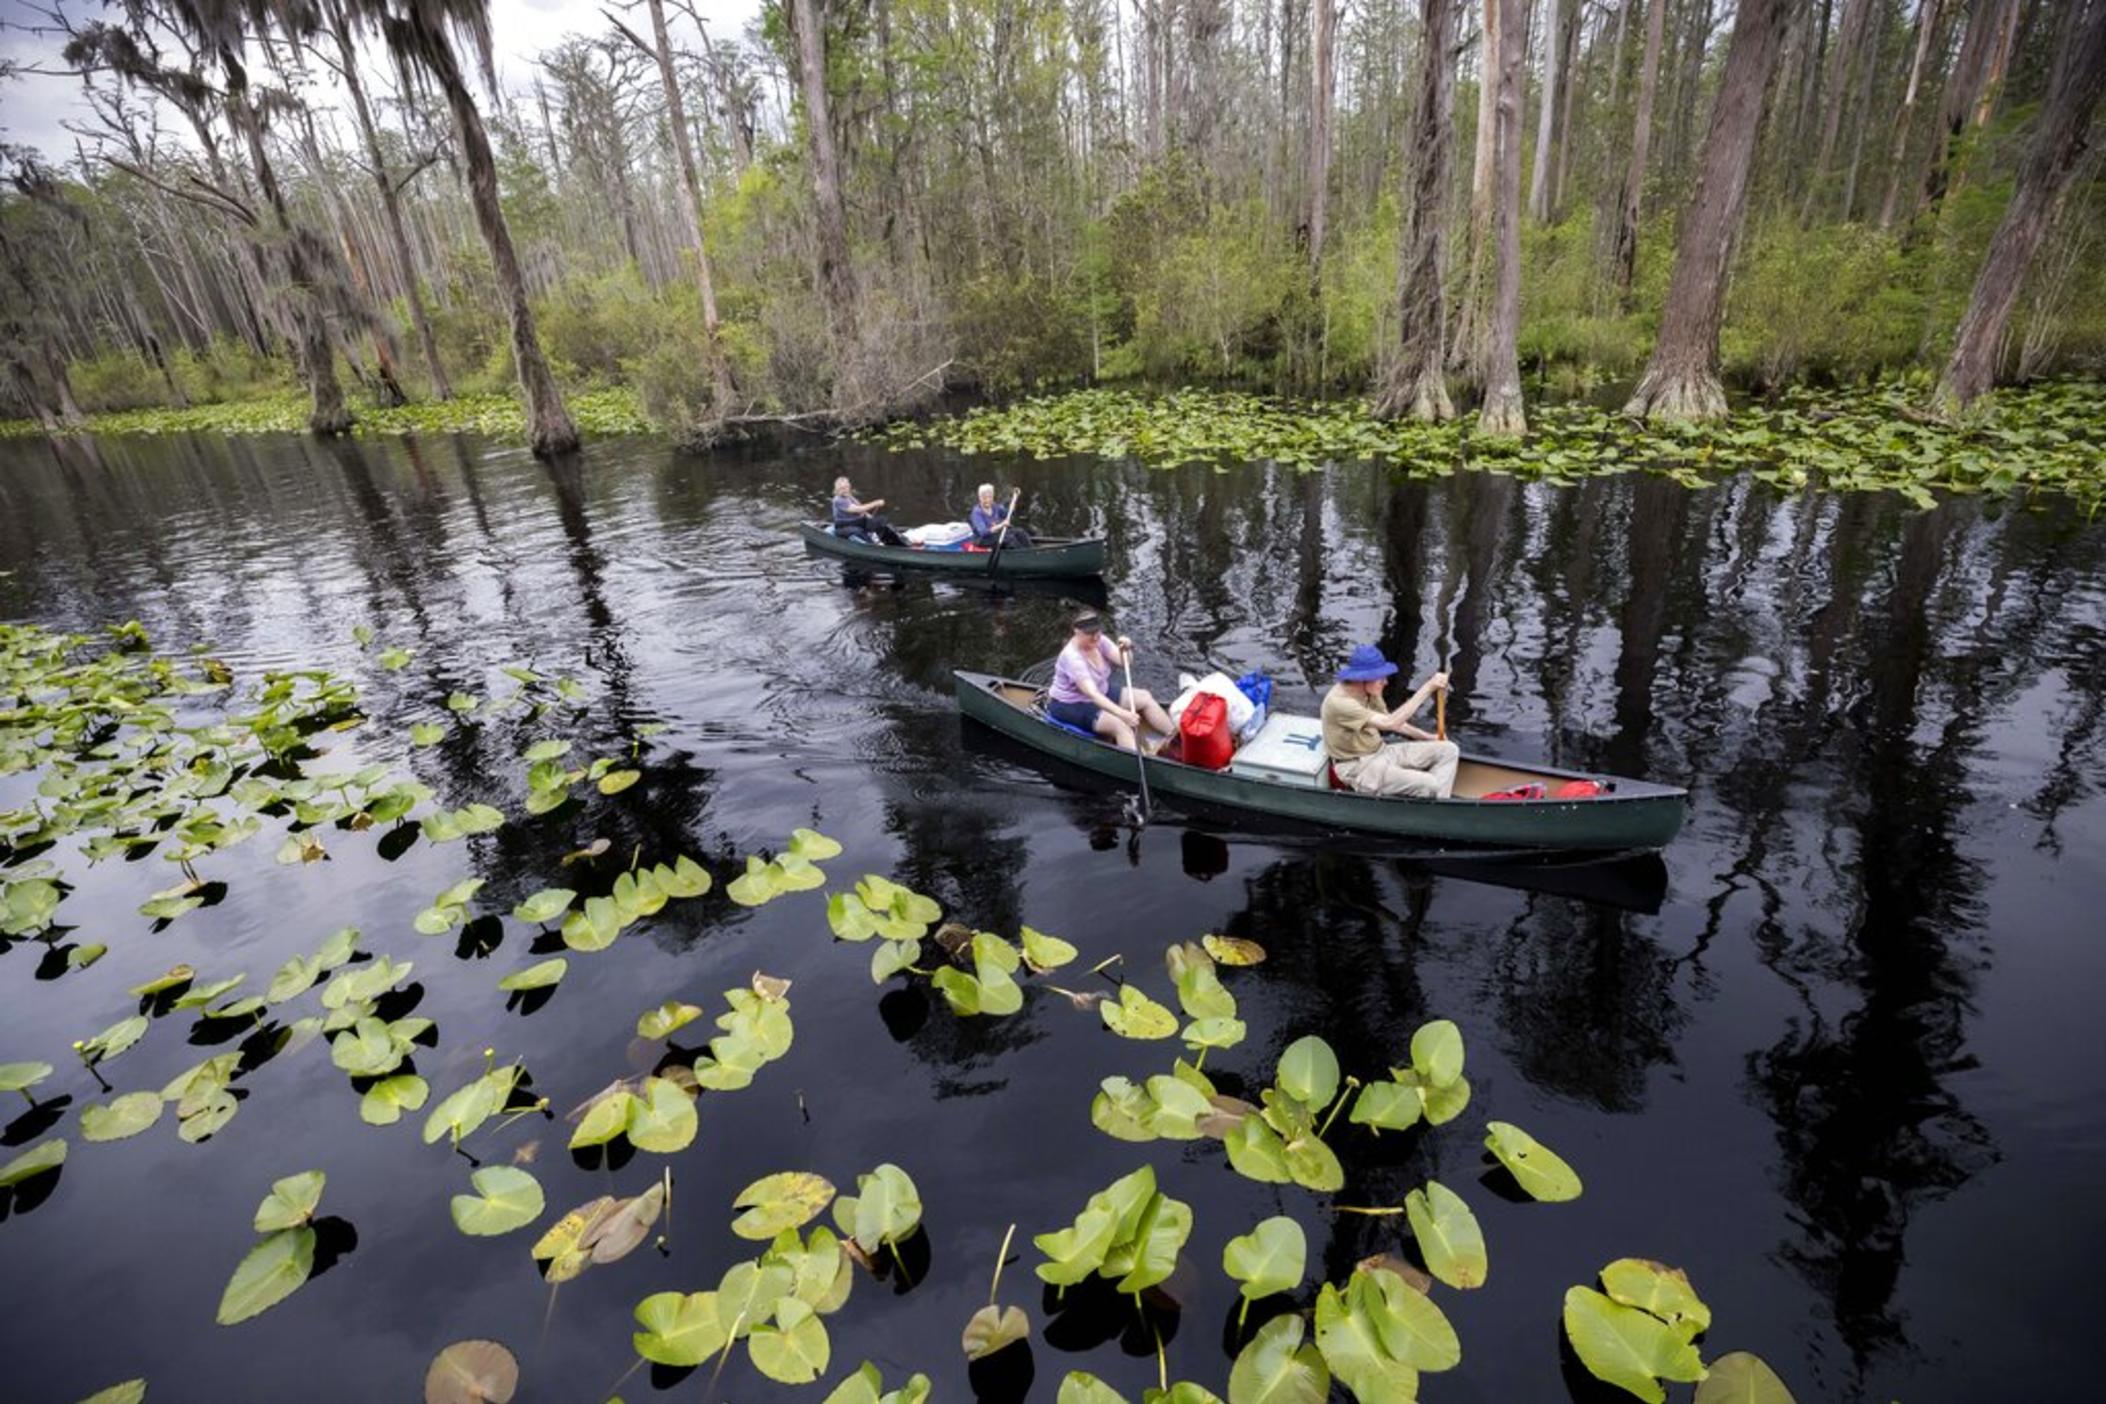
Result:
[129,1392]
[1378,1333]
[755,1032]
[506,1197]
[471,1372]
[1448,1236]
[2047,437]
[120,1117]
[1130,1231]
[39,1159]
[657,1114]
[1271,1258]
[1432,1087]
[600,1231]
[466,1108]
[541,976]
[616,410]
[283,1259]
[884,1211]
[1232,950]
[990,987]
[788,1200]
[1135,1015]
[1534,1166]
[1279,1366]
[994,1327]
[867,1386]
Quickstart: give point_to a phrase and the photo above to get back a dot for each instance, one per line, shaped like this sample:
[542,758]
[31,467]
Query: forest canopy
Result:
[851,203]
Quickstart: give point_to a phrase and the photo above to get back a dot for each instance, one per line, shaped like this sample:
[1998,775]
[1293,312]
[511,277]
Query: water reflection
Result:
[1890,723]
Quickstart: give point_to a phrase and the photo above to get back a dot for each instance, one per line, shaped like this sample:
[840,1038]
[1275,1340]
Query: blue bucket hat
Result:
[1366,665]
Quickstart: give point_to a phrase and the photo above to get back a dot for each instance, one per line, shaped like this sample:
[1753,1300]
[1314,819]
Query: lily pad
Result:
[886,1208]
[536,977]
[1233,950]
[679,1329]
[20,1077]
[773,1203]
[506,1197]
[1044,953]
[272,1271]
[545,905]
[291,1202]
[1534,1166]
[1659,1289]
[1740,1378]
[39,1159]
[991,1328]
[666,1019]
[1626,1347]
[1277,1367]
[471,1372]
[120,1117]
[1308,1072]
[1270,1258]
[794,1349]
[662,1117]
[1137,1016]
[386,1100]
[1448,1235]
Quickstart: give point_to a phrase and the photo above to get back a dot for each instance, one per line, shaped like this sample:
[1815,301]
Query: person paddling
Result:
[859,521]
[1354,719]
[988,516]
[1082,694]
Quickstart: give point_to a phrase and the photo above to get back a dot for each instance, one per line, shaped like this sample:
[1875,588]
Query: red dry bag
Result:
[1204,728]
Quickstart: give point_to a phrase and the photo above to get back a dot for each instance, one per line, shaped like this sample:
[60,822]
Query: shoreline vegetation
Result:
[807,225]
[2046,438]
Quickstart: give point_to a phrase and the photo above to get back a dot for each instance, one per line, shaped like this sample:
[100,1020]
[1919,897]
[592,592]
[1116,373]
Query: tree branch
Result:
[207,194]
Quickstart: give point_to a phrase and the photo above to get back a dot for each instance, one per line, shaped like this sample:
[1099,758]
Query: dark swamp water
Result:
[1836,1054]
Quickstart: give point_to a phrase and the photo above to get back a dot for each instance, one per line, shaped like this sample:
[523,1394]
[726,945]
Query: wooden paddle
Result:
[1139,745]
[1440,712]
[1003,535]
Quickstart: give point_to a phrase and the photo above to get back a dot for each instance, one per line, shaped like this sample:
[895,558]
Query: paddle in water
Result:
[1140,743]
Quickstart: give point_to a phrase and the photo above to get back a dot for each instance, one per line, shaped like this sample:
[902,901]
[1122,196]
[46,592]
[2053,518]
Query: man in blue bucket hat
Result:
[1354,719]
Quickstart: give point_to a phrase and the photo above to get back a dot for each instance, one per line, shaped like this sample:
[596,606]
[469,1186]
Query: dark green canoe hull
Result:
[1632,814]
[1052,560]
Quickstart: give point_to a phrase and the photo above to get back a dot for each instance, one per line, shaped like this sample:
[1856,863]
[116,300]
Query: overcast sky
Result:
[33,108]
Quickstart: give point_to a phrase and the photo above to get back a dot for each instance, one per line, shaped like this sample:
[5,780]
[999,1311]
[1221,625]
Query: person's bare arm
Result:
[1399,720]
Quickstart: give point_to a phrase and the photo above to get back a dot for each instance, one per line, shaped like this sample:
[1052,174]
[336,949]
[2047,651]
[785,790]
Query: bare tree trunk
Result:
[1850,32]
[2051,159]
[1927,15]
[550,429]
[1574,23]
[1324,26]
[1501,413]
[1415,386]
[1546,123]
[1623,261]
[691,185]
[390,201]
[1963,92]
[1866,80]
[836,273]
[1466,352]
[1682,379]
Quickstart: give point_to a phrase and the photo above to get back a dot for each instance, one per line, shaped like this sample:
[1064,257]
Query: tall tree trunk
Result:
[1466,354]
[836,274]
[1927,16]
[2051,159]
[1866,80]
[1849,36]
[691,185]
[550,429]
[1964,88]
[1546,121]
[1323,24]
[1501,413]
[1575,21]
[1416,386]
[1623,260]
[1682,379]
[313,352]
[390,201]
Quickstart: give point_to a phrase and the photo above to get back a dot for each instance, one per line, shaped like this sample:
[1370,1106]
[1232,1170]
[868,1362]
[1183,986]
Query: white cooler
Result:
[1287,751]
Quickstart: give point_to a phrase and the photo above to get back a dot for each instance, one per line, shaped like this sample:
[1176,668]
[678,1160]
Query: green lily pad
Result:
[991,1328]
[291,1202]
[272,1271]
[886,1208]
[1448,1236]
[1137,1016]
[1278,1368]
[540,976]
[1271,1258]
[680,1329]
[1534,1166]
[471,1372]
[1308,1072]
[120,1117]
[795,1348]
[39,1159]
[545,905]
[788,1200]
[20,1077]
[662,1117]
[1626,1347]
[386,1100]
[1044,953]
[1659,1289]
[667,1019]
[1741,1378]
[506,1197]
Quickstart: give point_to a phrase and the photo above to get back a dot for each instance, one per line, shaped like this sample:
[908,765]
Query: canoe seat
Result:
[1053,721]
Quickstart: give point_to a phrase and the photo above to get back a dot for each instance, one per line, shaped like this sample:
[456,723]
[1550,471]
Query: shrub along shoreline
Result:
[2048,437]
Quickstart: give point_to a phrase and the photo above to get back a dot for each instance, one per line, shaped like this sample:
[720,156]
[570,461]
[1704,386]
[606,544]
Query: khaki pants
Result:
[1421,769]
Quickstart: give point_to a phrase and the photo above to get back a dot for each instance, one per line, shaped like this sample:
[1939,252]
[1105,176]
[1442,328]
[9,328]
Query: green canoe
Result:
[1628,814]
[1047,558]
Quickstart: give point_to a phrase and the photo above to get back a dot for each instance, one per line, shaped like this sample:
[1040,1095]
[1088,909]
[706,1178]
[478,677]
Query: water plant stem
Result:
[995,1284]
